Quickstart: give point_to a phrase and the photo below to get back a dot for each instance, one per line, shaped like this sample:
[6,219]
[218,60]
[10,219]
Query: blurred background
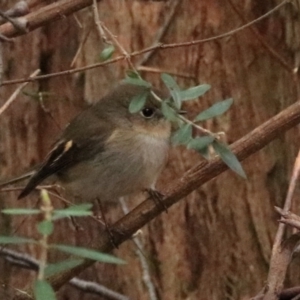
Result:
[215,243]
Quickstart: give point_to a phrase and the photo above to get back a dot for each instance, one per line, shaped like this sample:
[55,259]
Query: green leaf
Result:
[45,227]
[183,135]
[215,110]
[168,111]
[21,211]
[137,81]
[107,53]
[15,240]
[204,152]
[43,290]
[229,158]
[176,99]
[200,143]
[132,74]
[90,254]
[59,267]
[80,210]
[173,87]
[138,102]
[169,82]
[194,92]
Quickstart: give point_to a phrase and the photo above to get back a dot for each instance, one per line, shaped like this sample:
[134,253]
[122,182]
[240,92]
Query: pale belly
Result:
[118,171]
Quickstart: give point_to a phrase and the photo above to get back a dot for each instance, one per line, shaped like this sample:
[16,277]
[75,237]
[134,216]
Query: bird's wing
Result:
[81,140]
[59,158]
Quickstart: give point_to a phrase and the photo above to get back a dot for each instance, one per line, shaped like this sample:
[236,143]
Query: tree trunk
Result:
[216,243]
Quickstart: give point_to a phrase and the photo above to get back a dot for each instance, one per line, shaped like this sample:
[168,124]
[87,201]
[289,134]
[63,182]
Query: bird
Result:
[106,151]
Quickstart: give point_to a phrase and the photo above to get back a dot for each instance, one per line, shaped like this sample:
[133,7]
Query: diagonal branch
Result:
[192,179]
[63,8]
[281,256]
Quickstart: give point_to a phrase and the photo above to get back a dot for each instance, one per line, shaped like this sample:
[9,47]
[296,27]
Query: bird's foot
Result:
[157,198]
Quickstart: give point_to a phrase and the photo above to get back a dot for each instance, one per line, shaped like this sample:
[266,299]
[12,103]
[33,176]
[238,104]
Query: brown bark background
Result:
[216,243]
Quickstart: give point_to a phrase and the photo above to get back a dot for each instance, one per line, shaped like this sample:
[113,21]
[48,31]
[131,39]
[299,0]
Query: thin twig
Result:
[288,218]
[77,21]
[143,261]
[115,41]
[192,179]
[159,71]
[19,258]
[26,261]
[131,65]
[1,63]
[84,39]
[47,111]
[100,30]
[97,289]
[288,202]
[140,52]
[277,270]
[162,31]
[16,93]
[279,267]
[262,40]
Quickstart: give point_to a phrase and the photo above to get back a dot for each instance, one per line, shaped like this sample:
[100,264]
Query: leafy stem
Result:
[171,109]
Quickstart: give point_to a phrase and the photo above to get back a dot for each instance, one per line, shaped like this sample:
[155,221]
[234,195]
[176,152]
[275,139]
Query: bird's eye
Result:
[148,112]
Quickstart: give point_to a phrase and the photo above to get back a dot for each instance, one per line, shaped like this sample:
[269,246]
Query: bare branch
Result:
[16,93]
[25,261]
[162,30]
[159,71]
[262,40]
[279,267]
[46,14]
[100,30]
[54,11]
[280,259]
[143,261]
[96,288]
[191,180]
[289,218]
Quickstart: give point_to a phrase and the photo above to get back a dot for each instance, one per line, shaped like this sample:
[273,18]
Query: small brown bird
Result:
[107,152]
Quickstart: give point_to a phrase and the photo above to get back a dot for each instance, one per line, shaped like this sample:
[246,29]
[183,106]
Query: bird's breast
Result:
[129,164]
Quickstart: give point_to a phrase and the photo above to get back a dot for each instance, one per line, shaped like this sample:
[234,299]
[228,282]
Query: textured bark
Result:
[216,243]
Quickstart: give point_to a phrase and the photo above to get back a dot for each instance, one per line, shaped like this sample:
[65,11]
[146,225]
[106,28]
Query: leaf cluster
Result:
[42,289]
[171,109]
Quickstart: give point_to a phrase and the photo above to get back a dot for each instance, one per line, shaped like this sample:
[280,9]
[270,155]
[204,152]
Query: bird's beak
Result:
[182,112]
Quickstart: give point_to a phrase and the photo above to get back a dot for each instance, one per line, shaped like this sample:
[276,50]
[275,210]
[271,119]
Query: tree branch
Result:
[54,12]
[25,261]
[192,179]
[281,256]
[49,13]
